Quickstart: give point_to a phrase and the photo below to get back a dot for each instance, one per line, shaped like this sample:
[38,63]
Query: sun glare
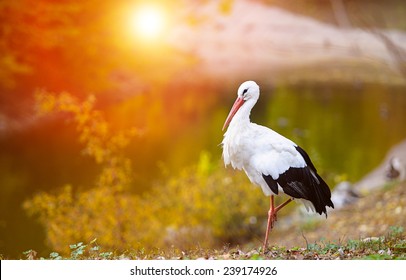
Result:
[148,22]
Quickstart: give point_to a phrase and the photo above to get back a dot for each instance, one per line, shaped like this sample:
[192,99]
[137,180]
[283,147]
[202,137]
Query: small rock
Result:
[225,256]
[251,253]
[341,252]
[372,239]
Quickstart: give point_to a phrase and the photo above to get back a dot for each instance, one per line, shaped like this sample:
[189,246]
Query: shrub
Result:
[203,205]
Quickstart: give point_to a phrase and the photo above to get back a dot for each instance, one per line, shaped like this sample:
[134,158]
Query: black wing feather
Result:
[273,185]
[303,182]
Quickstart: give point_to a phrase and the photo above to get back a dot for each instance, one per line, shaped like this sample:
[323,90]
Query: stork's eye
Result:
[245,91]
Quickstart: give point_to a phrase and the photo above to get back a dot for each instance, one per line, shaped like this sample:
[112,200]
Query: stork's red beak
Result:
[237,104]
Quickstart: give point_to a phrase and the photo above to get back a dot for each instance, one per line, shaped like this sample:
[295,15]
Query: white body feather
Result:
[259,151]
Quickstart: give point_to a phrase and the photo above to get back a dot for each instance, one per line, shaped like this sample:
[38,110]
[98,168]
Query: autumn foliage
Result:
[200,206]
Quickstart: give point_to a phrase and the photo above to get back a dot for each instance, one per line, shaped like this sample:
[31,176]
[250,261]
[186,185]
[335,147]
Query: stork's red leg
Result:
[272,217]
[281,206]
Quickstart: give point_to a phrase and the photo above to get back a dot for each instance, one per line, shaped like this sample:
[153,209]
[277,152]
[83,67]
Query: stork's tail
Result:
[322,195]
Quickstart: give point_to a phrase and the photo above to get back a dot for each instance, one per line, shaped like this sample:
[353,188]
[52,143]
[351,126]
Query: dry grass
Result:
[373,228]
[373,215]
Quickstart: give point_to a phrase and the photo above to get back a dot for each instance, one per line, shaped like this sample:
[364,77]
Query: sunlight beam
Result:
[148,22]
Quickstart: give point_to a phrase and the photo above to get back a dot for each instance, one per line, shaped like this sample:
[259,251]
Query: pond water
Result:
[346,130]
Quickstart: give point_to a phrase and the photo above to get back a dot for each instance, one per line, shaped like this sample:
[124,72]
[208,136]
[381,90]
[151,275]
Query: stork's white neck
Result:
[242,117]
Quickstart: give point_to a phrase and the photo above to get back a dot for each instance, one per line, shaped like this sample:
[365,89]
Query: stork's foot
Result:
[272,218]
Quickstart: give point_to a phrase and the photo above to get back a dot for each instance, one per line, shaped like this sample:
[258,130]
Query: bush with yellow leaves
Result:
[203,205]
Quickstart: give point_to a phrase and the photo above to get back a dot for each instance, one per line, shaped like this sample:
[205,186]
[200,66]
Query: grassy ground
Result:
[373,228]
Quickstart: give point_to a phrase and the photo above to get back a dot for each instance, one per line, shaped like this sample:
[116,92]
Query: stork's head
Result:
[247,92]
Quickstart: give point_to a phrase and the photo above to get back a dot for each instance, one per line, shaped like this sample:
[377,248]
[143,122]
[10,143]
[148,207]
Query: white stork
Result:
[270,160]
